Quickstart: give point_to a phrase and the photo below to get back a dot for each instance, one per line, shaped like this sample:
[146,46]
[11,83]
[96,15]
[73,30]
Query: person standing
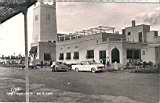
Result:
[115,65]
[53,66]
[108,61]
[41,64]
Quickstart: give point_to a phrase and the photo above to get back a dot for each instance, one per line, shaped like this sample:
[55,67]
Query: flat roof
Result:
[137,26]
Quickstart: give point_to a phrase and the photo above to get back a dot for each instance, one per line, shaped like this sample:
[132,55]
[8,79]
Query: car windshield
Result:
[84,63]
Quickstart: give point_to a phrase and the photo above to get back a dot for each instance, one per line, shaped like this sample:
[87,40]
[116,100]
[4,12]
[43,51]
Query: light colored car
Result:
[88,66]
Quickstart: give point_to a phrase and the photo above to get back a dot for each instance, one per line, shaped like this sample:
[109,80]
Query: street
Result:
[79,87]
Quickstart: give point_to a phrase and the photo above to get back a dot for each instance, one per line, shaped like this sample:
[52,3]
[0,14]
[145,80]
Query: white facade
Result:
[136,42]
[44,23]
[149,41]
[133,33]
[151,53]
[131,45]
[44,35]
[90,42]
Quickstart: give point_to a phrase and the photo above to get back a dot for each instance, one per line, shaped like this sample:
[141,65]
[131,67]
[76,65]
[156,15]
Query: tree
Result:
[2,57]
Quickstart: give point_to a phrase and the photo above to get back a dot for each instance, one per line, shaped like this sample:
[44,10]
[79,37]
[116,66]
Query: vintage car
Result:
[88,66]
[59,66]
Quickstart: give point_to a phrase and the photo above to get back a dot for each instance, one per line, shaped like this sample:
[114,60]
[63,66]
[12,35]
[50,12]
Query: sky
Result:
[76,16]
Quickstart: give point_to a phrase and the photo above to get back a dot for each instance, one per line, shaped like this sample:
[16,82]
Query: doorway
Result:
[115,55]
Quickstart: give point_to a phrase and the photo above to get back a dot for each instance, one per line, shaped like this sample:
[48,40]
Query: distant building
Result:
[102,43]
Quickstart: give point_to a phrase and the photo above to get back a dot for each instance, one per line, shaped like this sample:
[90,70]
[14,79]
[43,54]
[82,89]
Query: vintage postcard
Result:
[80,51]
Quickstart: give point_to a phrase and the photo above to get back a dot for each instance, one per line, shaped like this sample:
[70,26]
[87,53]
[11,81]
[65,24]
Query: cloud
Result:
[153,17]
[73,17]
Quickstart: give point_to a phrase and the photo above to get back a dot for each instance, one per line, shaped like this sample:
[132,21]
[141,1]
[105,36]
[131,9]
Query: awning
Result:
[33,50]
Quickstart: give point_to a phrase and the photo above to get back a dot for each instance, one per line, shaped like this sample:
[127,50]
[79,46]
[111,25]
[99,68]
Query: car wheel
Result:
[93,70]
[76,69]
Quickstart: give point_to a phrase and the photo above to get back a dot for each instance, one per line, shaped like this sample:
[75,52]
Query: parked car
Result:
[59,66]
[32,66]
[88,66]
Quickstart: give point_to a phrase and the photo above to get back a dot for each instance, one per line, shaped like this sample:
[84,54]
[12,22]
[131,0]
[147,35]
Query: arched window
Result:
[115,55]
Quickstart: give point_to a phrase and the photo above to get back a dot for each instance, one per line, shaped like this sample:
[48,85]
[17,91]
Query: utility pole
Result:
[26,54]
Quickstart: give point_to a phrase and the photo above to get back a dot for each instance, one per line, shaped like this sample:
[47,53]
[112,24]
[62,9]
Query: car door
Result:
[78,66]
[86,66]
[82,67]
[89,67]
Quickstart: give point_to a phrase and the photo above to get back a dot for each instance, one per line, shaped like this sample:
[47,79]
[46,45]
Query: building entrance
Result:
[115,55]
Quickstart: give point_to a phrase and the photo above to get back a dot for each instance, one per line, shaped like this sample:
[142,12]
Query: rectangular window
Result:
[68,56]
[102,54]
[155,33]
[140,36]
[90,54]
[123,31]
[76,55]
[129,33]
[67,37]
[137,54]
[104,37]
[129,54]
[61,38]
[36,17]
[47,56]
[61,56]
[133,54]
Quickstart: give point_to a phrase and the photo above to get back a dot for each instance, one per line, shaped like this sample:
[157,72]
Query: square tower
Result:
[44,37]
[44,23]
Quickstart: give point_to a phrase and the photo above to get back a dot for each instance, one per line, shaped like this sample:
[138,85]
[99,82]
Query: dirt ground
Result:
[80,87]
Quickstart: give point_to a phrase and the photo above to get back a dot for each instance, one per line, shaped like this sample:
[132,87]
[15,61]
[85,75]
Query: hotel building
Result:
[136,42]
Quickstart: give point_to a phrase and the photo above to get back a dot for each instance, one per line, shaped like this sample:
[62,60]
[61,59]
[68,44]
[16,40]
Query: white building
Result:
[43,45]
[150,41]
[136,42]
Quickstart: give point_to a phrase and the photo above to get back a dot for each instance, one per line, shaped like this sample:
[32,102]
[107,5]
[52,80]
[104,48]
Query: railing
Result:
[114,39]
[69,37]
[83,33]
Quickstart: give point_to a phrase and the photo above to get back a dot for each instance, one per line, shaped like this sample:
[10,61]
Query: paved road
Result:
[81,87]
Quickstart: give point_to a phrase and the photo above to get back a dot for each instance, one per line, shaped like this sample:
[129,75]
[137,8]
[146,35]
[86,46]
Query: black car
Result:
[59,66]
